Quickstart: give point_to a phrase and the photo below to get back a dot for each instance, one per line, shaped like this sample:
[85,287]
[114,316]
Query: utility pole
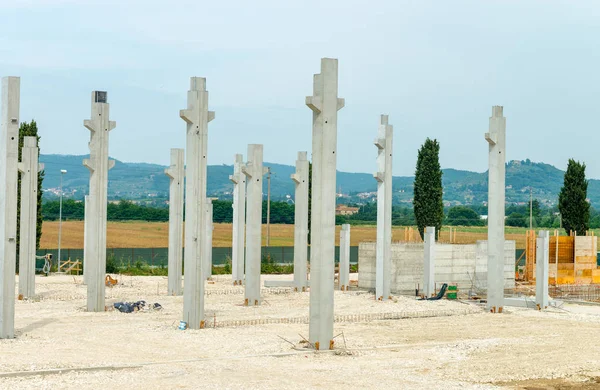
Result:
[268,205]
[62,172]
[530,208]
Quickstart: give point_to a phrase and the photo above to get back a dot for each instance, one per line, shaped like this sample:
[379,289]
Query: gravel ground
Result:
[467,350]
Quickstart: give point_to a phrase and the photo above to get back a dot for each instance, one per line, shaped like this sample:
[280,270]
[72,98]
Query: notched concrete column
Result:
[29,168]
[496,138]
[324,104]
[254,172]
[9,155]
[542,258]
[196,117]
[239,220]
[383,265]
[176,174]
[98,164]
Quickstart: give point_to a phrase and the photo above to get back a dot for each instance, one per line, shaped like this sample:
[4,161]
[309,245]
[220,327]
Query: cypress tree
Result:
[427,200]
[30,130]
[572,199]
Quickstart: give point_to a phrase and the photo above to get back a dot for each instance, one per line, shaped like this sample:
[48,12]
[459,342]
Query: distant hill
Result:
[142,181]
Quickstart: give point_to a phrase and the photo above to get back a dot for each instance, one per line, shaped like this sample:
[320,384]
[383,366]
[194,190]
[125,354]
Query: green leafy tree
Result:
[30,130]
[463,216]
[572,199]
[428,191]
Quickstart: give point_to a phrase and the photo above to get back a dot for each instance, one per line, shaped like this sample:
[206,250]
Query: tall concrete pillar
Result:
[324,104]
[429,262]
[98,164]
[86,229]
[254,172]
[197,117]
[496,138]
[176,173]
[9,156]
[209,239]
[239,220]
[301,180]
[542,257]
[29,169]
[344,273]
[383,256]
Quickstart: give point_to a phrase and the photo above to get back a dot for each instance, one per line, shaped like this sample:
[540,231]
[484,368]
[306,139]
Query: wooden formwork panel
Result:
[596,276]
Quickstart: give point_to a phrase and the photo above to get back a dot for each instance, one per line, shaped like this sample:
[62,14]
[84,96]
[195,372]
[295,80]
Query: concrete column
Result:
[209,238]
[239,220]
[325,104]
[98,164]
[176,173]
[429,262]
[496,138]
[301,180]
[254,172]
[86,221]
[29,169]
[542,257]
[9,157]
[197,117]
[344,274]
[384,144]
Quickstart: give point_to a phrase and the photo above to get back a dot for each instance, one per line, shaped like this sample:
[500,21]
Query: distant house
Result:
[342,209]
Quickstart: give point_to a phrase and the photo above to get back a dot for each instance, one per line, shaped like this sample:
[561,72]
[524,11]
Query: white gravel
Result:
[474,351]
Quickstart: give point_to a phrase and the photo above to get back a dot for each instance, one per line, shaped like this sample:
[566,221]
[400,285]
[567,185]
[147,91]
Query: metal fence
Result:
[158,257]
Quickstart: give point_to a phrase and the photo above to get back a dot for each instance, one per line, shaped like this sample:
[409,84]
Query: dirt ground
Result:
[460,348]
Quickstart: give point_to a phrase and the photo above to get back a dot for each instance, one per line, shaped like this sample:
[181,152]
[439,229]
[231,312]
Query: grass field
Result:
[156,234]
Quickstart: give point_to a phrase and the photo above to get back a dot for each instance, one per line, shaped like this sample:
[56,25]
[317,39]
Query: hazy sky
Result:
[436,67]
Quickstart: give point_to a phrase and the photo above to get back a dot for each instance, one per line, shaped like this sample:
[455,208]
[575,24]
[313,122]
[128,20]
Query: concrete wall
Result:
[461,265]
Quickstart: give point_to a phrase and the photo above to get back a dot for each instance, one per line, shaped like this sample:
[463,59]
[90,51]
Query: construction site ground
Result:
[427,345]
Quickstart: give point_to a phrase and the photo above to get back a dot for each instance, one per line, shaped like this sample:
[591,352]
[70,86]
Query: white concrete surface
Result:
[462,265]
[496,138]
[9,155]
[344,266]
[29,168]
[542,254]
[98,164]
[239,220]
[176,174]
[384,144]
[196,117]
[254,172]
[429,262]
[324,104]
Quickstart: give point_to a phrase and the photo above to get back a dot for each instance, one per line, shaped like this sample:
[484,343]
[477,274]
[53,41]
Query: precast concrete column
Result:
[542,257]
[344,268]
[98,164]
[301,180]
[9,158]
[86,221]
[239,220]
[496,138]
[196,117]
[176,174]
[324,104]
[254,172]
[29,169]
[209,240]
[383,255]
[429,262]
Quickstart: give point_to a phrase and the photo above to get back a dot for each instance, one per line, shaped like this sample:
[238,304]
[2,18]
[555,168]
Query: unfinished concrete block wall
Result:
[461,265]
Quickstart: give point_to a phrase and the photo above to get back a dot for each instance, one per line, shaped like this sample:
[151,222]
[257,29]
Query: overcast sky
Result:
[436,67]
